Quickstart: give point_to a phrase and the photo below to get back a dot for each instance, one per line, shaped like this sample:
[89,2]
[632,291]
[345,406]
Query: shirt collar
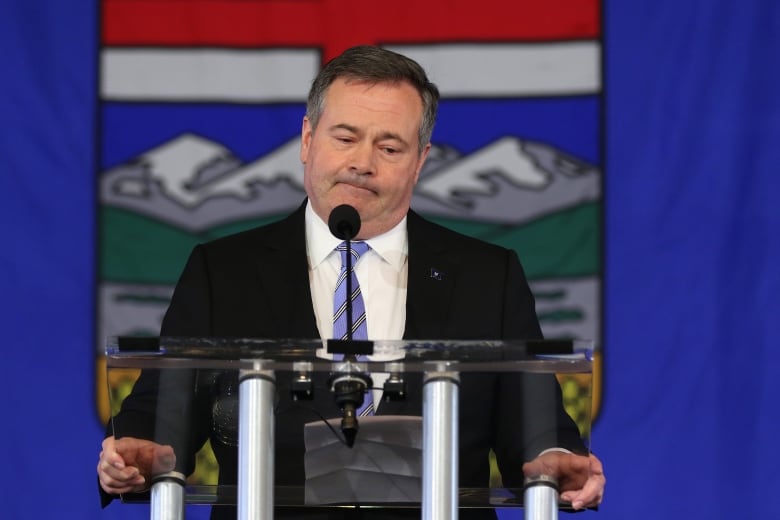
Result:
[392,245]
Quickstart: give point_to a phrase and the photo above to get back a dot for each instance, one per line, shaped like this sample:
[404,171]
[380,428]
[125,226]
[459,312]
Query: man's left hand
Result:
[581,479]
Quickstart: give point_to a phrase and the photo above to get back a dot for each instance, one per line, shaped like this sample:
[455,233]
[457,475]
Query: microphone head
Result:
[344,222]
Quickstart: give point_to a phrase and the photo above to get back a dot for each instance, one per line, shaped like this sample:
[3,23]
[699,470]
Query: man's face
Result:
[364,152]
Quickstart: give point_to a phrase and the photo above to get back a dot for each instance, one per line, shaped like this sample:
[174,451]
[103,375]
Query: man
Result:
[364,141]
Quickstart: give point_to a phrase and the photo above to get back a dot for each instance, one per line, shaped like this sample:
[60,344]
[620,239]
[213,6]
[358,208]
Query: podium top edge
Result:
[459,355]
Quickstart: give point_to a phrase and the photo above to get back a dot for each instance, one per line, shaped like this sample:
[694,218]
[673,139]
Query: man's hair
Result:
[374,65]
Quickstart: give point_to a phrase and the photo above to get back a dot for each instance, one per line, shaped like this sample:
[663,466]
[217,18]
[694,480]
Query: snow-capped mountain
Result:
[195,183]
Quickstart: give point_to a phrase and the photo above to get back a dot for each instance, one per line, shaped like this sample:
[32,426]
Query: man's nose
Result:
[361,161]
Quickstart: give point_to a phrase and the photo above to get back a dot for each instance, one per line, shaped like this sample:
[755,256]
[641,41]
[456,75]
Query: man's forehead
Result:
[363,85]
[341,97]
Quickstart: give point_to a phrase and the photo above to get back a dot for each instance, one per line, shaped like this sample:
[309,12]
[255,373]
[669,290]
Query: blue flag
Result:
[668,125]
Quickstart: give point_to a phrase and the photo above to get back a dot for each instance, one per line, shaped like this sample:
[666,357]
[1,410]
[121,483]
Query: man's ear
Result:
[421,162]
[306,132]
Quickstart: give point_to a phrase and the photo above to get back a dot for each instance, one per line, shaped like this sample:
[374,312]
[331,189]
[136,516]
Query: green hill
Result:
[138,249]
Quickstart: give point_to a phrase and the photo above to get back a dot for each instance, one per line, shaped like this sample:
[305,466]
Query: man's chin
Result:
[362,202]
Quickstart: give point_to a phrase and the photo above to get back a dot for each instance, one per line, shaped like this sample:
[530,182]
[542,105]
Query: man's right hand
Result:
[126,465]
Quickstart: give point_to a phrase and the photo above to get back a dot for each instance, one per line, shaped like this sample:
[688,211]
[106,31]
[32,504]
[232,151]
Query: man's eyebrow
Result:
[344,126]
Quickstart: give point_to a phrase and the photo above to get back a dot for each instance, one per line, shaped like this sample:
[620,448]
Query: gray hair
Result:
[376,65]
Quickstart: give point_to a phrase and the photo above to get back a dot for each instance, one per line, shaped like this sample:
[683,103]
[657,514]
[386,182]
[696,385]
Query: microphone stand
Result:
[349,388]
[349,383]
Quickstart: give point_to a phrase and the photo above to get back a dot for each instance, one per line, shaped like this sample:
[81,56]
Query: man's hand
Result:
[581,479]
[127,465]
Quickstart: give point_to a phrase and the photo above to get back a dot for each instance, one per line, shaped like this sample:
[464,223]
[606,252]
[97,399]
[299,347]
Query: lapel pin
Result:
[436,274]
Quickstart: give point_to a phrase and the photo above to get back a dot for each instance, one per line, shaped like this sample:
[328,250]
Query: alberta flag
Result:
[200,110]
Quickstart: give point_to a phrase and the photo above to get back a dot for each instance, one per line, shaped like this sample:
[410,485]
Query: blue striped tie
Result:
[359,328]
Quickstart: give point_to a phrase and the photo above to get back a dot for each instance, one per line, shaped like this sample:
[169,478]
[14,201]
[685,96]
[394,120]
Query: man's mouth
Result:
[356,186]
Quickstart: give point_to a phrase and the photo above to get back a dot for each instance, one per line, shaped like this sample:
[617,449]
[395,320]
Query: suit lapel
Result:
[432,275]
[284,274]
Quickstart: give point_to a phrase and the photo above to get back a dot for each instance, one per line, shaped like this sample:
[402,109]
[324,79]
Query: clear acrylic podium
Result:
[238,393]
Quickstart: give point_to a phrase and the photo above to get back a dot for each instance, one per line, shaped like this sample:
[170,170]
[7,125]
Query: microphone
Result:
[344,223]
[348,388]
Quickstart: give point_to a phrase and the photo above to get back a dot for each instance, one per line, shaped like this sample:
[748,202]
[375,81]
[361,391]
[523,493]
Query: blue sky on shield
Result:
[250,131]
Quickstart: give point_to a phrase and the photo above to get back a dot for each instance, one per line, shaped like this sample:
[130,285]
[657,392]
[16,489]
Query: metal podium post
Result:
[440,445]
[540,498]
[167,496]
[256,444]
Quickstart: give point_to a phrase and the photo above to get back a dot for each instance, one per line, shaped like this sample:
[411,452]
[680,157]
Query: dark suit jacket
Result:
[255,284]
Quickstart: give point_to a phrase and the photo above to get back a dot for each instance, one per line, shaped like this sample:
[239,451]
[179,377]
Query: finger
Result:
[590,494]
[117,488]
[116,481]
[120,490]
[595,465]
[164,460]
[111,472]
[112,459]
[110,453]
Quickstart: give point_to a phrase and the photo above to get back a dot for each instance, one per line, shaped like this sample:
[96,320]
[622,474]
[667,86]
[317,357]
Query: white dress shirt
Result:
[382,273]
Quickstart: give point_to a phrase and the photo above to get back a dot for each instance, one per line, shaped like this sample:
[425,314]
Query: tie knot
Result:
[357,248]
